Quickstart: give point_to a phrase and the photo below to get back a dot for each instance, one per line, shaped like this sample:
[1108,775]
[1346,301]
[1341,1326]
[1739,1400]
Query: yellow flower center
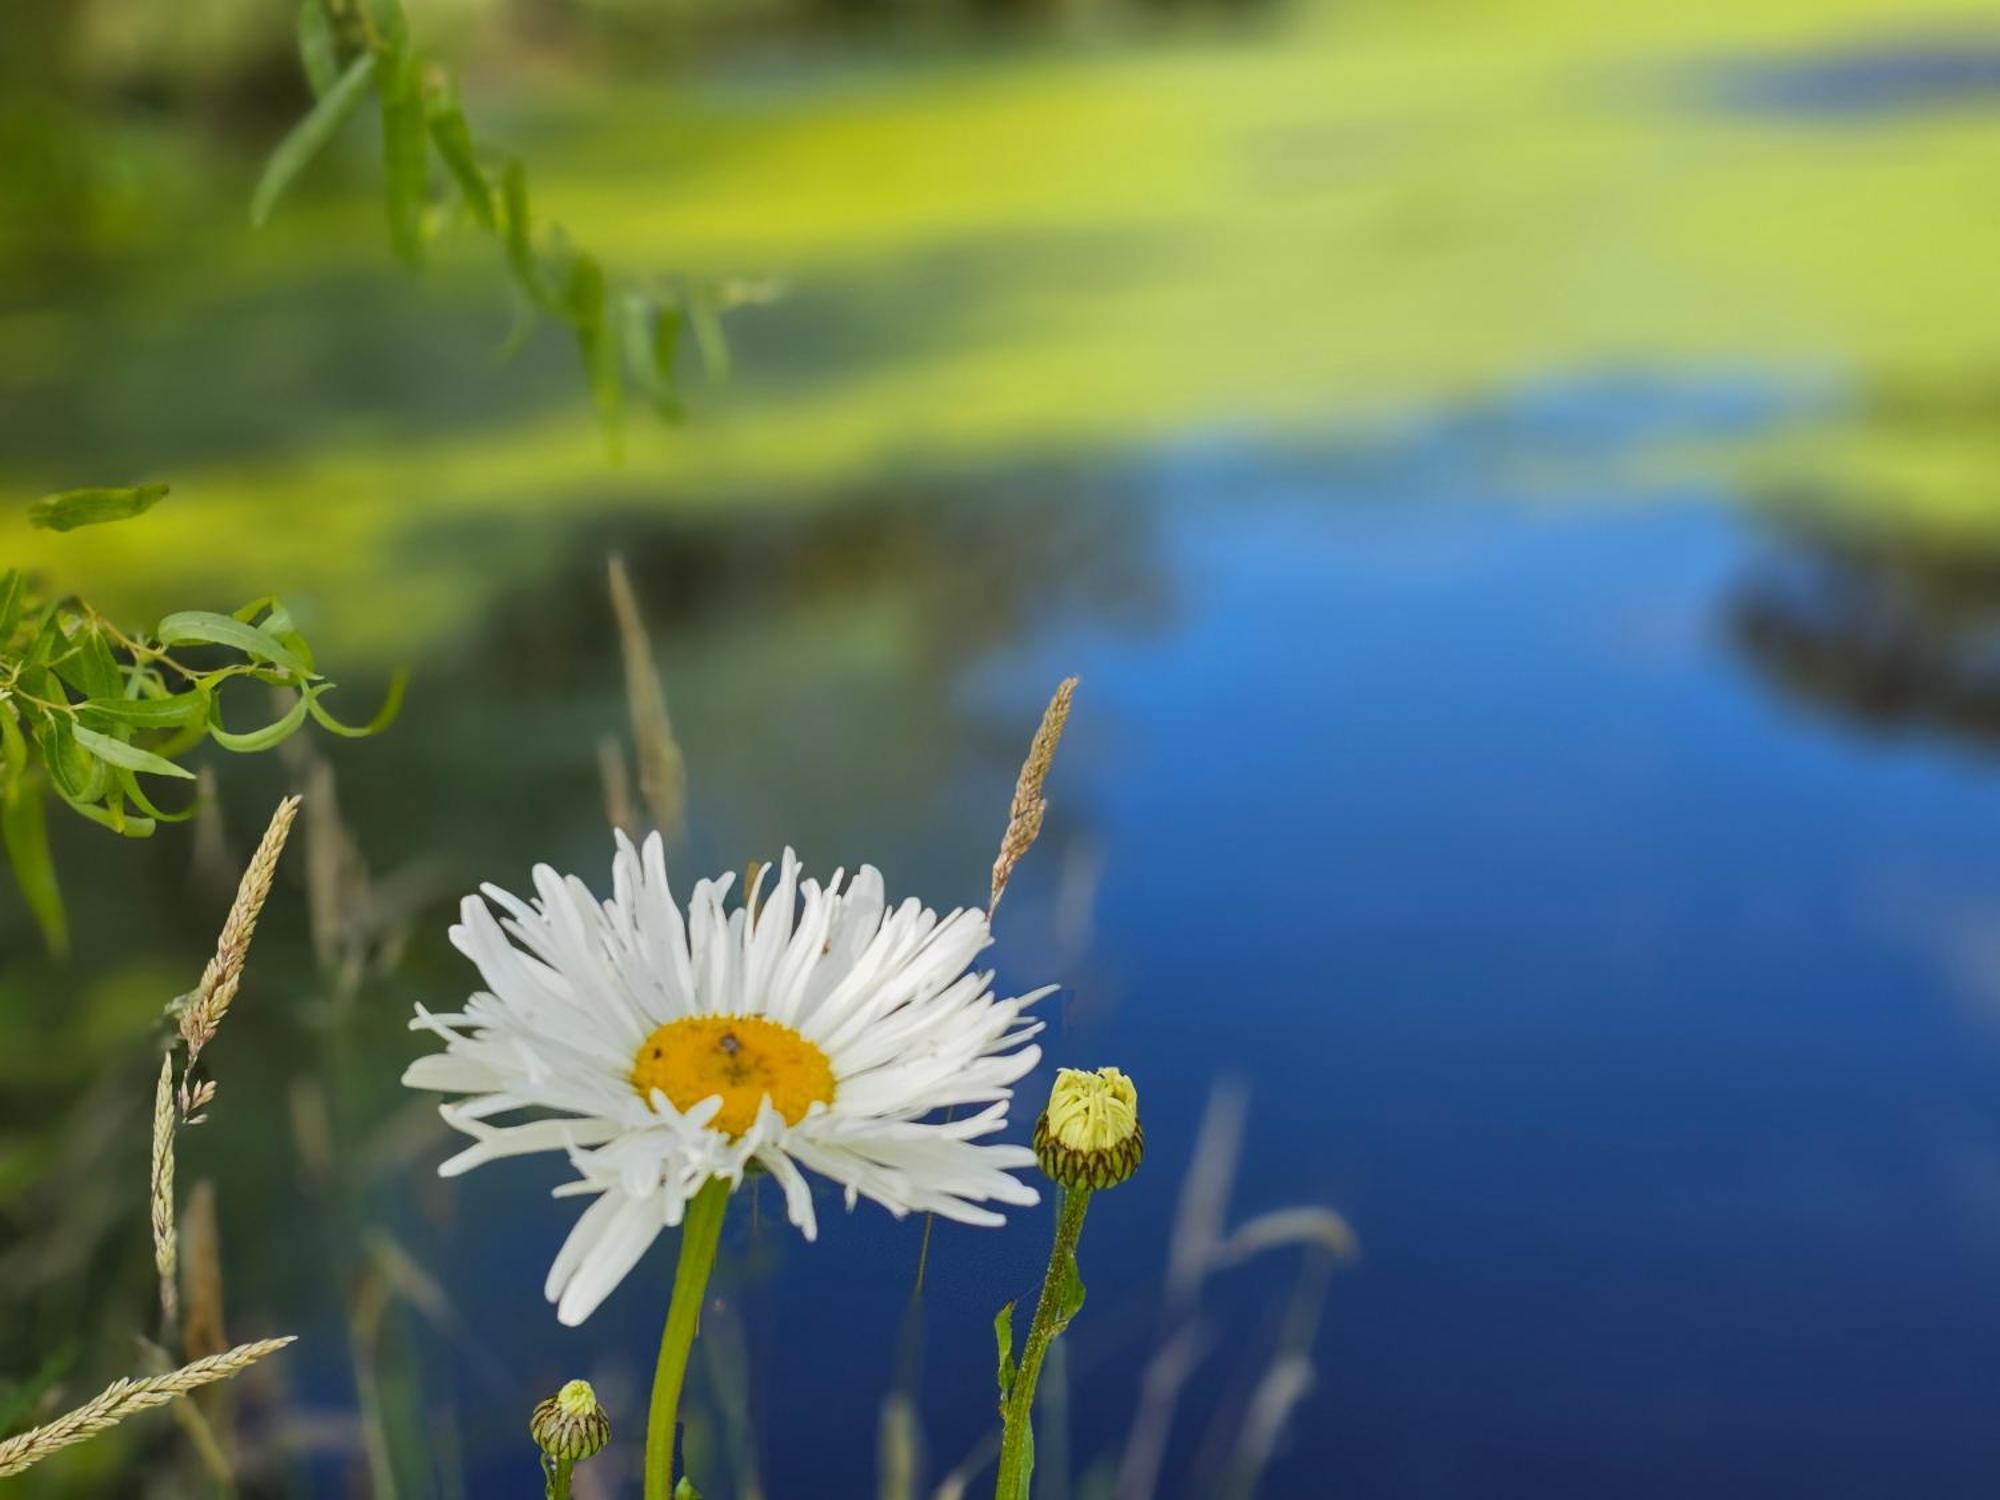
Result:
[1092,1111]
[742,1058]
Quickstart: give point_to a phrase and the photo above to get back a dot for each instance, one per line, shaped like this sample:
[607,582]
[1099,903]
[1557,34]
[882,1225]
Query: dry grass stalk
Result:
[330,865]
[126,1398]
[212,997]
[898,1450]
[617,782]
[201,1275]
[200,1016]
[212,864]
[191,1420]
[160,1194]
[202,1437]
[1024,816]
[662,769]
[312,1128]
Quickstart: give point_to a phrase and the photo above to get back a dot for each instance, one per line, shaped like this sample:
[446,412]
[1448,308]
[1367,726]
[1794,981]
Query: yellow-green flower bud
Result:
[570,1424]
[1089,1136]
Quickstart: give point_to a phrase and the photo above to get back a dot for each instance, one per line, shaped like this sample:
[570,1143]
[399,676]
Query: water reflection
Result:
[1877,632]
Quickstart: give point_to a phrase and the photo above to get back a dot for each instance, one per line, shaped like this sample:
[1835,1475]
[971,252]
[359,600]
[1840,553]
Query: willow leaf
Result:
[704,310]
[319,47]
[307,138]
[392,704]
[271,735]
[78,776]
[584,300]
[198,626]
[93,507]
[405,163]
[117,752]
[24,830]
[146,713]
[453,139]
[129,784]
[13,598]
[114,817]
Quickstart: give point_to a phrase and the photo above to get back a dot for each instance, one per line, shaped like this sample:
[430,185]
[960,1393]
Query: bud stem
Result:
[1017,1453]
[555,1478]
[701,1230]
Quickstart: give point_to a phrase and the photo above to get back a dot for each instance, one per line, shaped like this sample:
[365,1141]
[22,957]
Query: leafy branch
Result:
[88,708]
[629,334]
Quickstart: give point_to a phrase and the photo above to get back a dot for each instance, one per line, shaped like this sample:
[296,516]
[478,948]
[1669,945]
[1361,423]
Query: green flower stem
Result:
[555,1480]
[1017,1440]
[701,1230]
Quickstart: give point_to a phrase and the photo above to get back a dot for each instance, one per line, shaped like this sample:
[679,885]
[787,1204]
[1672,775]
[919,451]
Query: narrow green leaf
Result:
[146,713]
[42,648]
[116,752]
[309,137]
[129,784]
[273,734]
[78,776]
[652,347]
[392,704]
[319,47]
[1071,1302]
[24,833]
[93,507]
[517,227]
[1003,1339]
[248,613]
[390,21]
[584,301]
[24,830]
[13,599]
[196,626]
[278,625]
[13,747]
[704,310]
[97,672]
[112,816]
[453,139]
[685,1490]
[405,162]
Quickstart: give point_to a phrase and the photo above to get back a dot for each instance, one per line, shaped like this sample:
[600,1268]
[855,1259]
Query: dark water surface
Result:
[1636,1014]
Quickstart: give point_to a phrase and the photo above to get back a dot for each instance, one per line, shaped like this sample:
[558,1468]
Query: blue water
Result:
[1639,1017]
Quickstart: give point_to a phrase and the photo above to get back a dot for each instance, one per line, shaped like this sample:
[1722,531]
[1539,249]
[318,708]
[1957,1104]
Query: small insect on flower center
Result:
[742,1058]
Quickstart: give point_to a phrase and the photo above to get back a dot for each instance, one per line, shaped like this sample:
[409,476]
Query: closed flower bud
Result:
[1089,1136]
[570,1424]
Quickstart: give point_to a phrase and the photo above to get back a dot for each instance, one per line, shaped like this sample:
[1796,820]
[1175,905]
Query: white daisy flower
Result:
[660,1053]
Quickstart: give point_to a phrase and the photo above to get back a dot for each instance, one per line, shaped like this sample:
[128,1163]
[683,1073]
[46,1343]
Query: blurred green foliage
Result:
[628,333]
[87,709]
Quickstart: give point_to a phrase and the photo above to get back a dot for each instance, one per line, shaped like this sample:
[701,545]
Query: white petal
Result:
[451,1073]
[625,1237]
